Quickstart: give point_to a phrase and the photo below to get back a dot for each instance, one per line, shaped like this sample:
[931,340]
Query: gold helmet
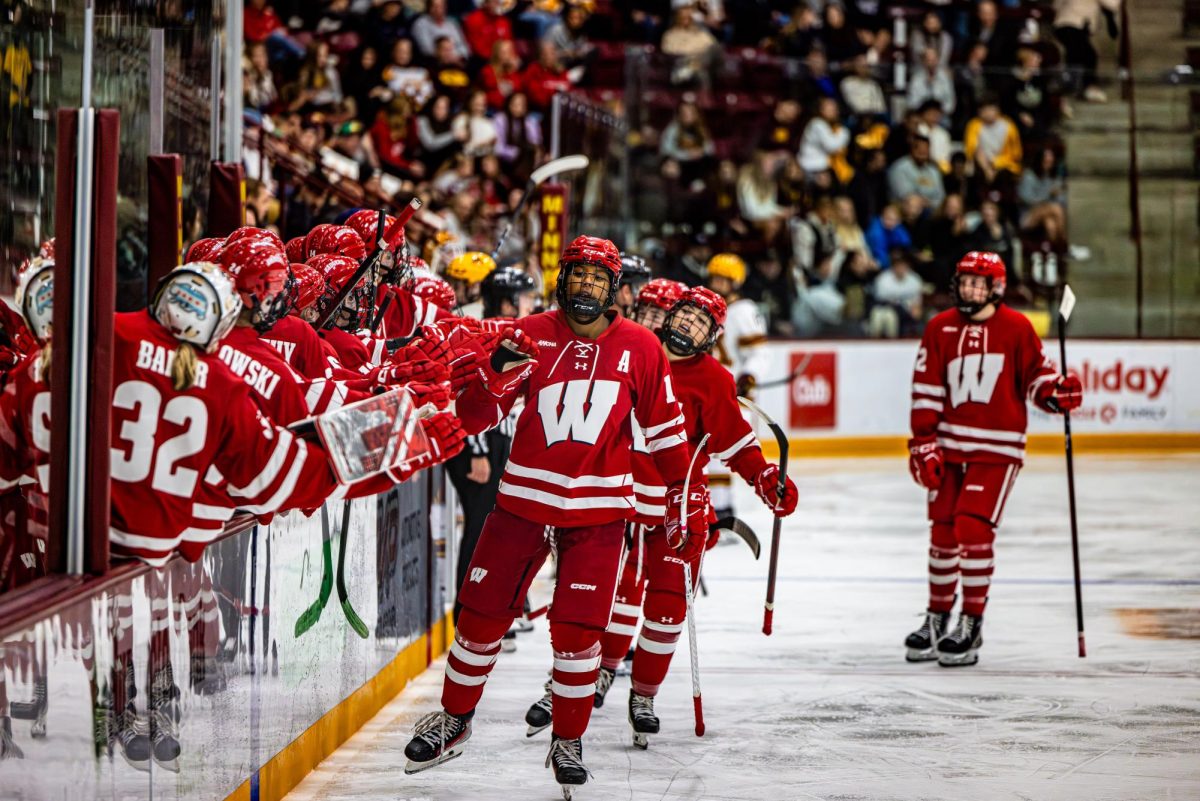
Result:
[728,265]
[472,266]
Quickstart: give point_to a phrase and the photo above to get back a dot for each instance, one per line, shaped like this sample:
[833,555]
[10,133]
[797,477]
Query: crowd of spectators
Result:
[853,197]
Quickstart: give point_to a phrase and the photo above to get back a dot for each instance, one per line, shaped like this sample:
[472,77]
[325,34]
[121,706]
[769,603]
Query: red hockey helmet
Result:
[654,301]
[987,265]
[434,289]
[260,273]
[343,241]
[255,235]
[338,270]
[204,250]
[295,250]
[46,251]
[312,239]
[587,251]
[365,223]
[310,287]
[682,330]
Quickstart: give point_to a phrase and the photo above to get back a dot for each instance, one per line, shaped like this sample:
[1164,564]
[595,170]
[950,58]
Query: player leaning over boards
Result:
[567,485]
[977,366]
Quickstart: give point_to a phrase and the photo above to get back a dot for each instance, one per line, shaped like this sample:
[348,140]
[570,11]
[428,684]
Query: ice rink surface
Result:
[827,708]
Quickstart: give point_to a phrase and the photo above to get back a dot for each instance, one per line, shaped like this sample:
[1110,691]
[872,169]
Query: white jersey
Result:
[741,346]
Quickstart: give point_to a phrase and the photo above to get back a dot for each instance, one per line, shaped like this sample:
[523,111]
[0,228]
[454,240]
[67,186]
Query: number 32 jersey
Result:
[971,383]
[571,454]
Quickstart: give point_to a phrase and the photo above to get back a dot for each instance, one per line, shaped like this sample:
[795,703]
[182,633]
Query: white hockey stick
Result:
[537,178]
[689,597]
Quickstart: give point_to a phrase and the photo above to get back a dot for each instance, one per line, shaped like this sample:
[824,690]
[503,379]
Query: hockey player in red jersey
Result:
[977,367]
[708,395]
[567,484]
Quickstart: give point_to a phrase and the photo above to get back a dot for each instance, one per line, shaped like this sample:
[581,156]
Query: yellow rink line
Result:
[1038,445]
[282,772]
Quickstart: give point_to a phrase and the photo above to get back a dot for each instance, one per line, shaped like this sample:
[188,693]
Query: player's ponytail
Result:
[183,368]
[44,364]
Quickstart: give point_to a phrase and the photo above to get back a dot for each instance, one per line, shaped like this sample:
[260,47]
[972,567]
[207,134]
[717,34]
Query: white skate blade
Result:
[641,740]
[168,764]
[532,731]
[959,660]
[921,654]
[416,767]
[567,790]
[144,767]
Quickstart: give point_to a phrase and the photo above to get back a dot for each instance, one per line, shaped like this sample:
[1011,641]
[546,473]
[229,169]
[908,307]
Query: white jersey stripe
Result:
[569,482]
[929,389]
[998,434]
[970,447]
[563,502]
[733,449]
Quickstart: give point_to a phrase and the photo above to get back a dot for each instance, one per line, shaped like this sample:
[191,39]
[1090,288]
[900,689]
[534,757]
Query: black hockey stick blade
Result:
[737,526]
[352,617]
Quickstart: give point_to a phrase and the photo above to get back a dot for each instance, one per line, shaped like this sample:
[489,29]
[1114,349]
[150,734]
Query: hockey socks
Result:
[573,681]
[975,537]
[476,646]
[659,637]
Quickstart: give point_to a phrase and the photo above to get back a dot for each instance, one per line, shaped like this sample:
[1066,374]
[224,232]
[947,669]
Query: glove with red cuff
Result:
[446,437]
[694,529]
[1062,395]
[418,370]
[766,484]
[437,394]
[509,363]
[925,461]
[463,364]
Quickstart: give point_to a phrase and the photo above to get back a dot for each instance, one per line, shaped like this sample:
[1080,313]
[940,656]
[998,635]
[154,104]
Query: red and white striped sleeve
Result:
[662,419]
[928,388]
[732,440]
[1036,369]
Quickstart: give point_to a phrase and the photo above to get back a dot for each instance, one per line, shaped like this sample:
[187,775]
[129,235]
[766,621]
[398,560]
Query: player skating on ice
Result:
[977,366]
[708,396]
[567,485]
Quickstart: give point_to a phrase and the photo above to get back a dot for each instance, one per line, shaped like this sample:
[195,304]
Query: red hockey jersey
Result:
[165,442]
[405,312]
[971,382]
[708,396]
[571,454]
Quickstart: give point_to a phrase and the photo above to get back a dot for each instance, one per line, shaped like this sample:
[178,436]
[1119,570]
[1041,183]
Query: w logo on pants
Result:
[477,574]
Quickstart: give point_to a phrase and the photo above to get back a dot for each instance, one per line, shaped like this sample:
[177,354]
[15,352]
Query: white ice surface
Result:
[827,708]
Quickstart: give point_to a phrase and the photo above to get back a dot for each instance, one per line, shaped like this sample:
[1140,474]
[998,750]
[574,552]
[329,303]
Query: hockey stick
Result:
[536,179]
[351,616]
[799,371]
[309,617]
[1064,314]
[772,574]
[737,526]
[690,598]
[382,251]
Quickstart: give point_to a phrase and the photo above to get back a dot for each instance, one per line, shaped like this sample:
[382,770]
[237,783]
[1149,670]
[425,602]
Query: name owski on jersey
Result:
[260,378]
[158,359]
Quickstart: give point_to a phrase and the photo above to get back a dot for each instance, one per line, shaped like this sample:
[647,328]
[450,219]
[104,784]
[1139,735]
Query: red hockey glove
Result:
[677,530]
[925,462]
[434,350]
[766,484]
[463,364]
[1061,395]
[416,370]
[509,363]
[446,437]
[745,385]
[437,394]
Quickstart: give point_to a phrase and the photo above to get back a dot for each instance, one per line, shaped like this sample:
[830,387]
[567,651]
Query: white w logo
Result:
[574,422]
[477,574]
[971,382]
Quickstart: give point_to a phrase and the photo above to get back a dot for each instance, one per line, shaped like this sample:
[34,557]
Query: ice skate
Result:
[133,739]
[922,643]
[509,643]
[438,737]
[206,677]
[164,721]
[642,718]
[960,647]
[566,757]
[538,718]
[604,682]
[8,748]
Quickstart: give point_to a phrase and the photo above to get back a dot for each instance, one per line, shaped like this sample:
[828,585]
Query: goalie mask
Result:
[197,303]
[694,322]
[597,263]
[970,294]
[35,296]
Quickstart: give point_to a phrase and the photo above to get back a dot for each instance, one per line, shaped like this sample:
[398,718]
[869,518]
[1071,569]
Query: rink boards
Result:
[854,398]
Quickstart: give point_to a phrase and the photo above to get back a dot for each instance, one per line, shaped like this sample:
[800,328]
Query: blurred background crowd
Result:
[850,150]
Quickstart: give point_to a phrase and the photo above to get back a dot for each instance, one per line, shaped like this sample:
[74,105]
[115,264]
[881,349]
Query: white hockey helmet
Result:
[198,303]
[35,296]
